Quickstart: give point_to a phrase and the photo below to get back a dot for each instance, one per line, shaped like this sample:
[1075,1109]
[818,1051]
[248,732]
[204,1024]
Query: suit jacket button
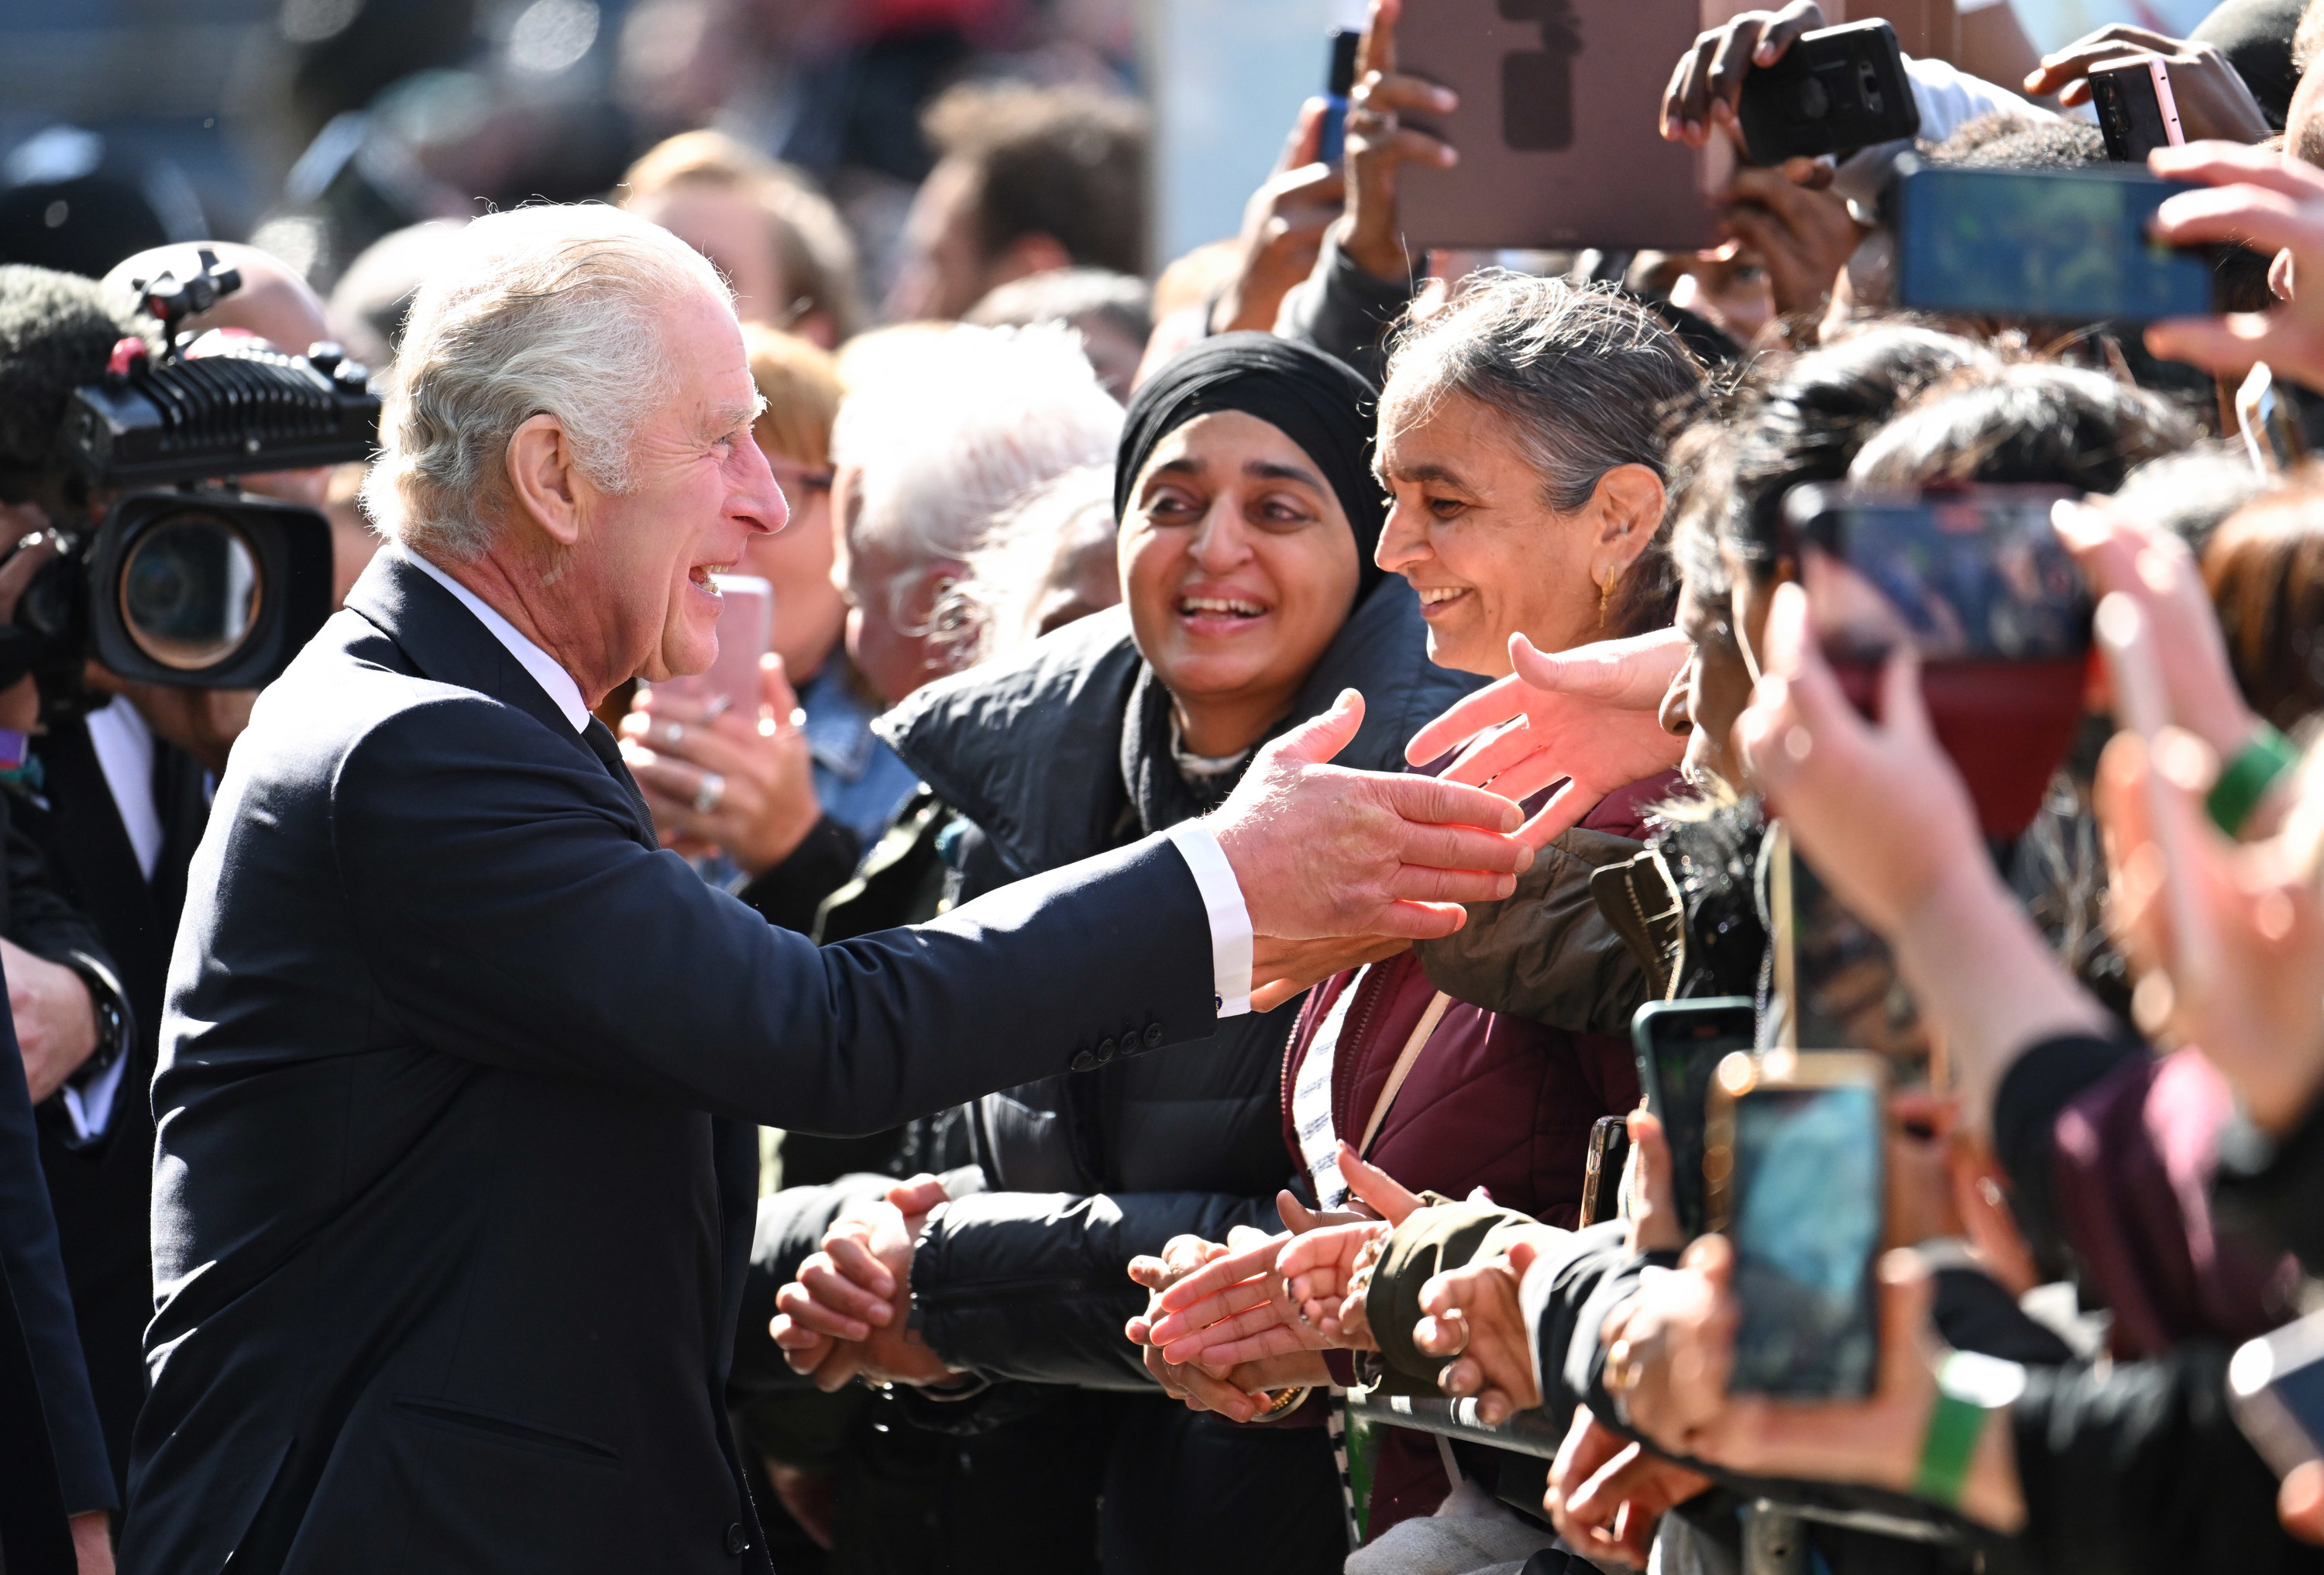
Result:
[738,1541]
[1084,1062]
[1105,1049]
[1153,1036]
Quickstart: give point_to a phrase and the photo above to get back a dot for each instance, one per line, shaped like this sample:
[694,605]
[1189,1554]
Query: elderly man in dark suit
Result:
[454,1177]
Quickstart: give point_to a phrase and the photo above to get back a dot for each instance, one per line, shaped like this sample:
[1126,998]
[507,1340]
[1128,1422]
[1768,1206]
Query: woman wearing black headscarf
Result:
[1249,516]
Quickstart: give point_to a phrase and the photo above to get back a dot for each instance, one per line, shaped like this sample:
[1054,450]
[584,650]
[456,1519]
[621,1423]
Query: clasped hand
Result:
[847,1315]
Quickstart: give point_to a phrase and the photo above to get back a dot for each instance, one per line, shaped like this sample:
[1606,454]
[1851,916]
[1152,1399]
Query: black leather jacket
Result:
[1052,756]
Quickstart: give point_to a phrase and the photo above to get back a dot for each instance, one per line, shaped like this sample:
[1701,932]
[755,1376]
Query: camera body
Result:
[187,581]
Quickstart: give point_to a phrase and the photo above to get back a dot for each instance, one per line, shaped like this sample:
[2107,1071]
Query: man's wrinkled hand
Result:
[1280,968]
[1319,850]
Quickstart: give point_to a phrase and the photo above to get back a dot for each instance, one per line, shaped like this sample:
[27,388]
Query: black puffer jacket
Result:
[1053,755]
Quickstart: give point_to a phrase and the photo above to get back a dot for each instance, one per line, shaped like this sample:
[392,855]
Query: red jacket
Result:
[1494,1101]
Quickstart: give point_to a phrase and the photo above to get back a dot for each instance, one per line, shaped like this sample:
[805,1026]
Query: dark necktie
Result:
[600,739]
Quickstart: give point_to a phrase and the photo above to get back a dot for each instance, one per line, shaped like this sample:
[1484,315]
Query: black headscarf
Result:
[1323,405]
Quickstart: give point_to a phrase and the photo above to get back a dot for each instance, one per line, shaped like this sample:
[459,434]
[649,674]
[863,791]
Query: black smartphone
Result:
[2135,109]
[1976,580]
[1835,90]
[1338,81]
[1679,1045]
[2275,1385]
[1602,1171]
[2065,246]
[1796,1158]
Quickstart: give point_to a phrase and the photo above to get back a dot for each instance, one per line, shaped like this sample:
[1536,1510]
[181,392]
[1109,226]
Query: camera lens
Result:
[189,591]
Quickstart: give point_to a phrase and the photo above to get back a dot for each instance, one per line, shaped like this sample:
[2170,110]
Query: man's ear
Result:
[1629,504]
[544,479]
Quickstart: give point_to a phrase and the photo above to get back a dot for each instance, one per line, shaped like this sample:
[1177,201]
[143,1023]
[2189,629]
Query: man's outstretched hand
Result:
[1320,850]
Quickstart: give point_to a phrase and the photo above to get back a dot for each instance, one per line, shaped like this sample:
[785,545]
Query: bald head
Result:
[273,302]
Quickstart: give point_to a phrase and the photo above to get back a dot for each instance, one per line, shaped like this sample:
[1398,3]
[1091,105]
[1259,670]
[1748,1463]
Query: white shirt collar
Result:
[553,679]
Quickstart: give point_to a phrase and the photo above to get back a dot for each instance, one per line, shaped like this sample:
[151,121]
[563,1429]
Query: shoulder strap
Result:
[1403,1068]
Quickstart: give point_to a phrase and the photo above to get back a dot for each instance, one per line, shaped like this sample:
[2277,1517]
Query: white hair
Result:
[950,433]
[544,310]
[1032,545]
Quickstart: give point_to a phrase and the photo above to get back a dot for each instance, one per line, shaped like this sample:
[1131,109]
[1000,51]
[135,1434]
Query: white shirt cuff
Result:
[90,1109]
[1230,937]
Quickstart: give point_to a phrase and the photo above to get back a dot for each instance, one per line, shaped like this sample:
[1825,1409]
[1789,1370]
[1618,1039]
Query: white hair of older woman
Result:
[1031,550]
[541,310]
[948,436]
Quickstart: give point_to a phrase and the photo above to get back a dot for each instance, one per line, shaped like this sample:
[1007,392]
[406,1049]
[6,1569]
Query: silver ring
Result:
[676,735]
[710,795]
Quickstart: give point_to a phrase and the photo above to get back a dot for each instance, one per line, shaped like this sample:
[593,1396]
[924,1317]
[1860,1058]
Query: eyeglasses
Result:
[795,478]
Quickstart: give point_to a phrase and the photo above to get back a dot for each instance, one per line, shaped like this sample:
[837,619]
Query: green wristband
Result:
[2246,779]
[1969,1387]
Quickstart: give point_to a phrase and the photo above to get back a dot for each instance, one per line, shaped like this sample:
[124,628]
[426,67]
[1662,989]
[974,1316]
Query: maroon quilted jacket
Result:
[1495,1099]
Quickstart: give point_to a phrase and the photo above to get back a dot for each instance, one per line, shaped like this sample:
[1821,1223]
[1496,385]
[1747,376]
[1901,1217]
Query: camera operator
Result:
[114,786]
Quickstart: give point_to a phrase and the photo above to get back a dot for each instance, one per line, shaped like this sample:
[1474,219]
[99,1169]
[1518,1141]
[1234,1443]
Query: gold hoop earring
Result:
[1606,593]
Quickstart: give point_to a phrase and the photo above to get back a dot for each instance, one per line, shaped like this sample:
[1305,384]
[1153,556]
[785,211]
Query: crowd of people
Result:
[346,1122]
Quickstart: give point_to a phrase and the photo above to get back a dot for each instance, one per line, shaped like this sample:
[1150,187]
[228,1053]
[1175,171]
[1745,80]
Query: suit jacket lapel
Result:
[449,643]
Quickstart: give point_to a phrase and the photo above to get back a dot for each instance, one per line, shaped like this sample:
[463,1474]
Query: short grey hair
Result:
[545,310]
[1586,377]
[950,433]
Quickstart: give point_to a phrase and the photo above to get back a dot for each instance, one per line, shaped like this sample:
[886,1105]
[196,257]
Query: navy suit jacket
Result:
[454,1174]
[51,1450]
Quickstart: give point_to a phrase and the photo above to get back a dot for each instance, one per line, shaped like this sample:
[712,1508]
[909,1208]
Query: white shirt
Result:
[123,744]
[554,680]
[1215,878]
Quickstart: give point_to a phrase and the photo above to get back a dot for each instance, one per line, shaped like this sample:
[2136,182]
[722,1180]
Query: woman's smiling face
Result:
[1472,528]
[1239,566]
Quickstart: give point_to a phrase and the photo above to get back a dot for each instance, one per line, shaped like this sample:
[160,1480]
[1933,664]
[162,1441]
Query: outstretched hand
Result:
[2270,202]
[1590,716]
[1284,1294]
[1320,850]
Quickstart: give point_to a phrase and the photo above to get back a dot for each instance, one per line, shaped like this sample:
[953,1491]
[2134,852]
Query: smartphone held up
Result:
[1976,581]
[1794,1158]
[2054,245]
[1835,90]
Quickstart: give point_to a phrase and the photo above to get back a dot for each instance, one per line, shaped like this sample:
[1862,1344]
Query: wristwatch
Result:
[110,1006]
